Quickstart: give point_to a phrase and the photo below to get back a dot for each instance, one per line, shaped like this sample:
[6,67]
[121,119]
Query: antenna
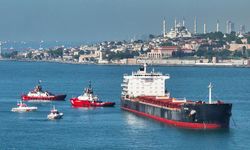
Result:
[145,67]
[210,93]
[89,84]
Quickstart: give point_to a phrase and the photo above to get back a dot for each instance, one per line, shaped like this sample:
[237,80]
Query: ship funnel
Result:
[210,93]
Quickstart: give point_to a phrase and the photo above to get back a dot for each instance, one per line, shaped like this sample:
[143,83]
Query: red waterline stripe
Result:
[177,123]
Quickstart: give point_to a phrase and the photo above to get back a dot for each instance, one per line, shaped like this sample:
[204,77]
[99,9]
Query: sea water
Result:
[113,128]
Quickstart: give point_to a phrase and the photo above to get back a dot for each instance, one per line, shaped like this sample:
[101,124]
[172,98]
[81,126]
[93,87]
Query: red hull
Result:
[43,98]
[177,123]
[84,103]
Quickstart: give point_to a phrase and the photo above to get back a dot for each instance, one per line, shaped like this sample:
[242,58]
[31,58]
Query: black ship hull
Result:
[197,116]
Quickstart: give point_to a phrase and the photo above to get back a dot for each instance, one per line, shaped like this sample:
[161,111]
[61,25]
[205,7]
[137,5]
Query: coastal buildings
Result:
[175,47]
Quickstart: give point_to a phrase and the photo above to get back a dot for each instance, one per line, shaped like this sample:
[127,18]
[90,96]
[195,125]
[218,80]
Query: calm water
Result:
[112,128]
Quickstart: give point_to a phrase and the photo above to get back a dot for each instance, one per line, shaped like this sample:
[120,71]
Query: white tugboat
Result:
[54,114]
[22,107]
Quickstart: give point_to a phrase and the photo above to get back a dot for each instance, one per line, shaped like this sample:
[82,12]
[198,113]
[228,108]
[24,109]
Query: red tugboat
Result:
[38,95]
[144,94]
[88,99]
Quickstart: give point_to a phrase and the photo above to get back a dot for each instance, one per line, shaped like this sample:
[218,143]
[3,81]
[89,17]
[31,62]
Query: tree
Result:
[56,53]
[29,55]
[237,54]
[238,41]
[231,37]
[166,44]
[248,39]
[151,36]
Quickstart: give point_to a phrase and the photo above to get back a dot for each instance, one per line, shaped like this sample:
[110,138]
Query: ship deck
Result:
[165,102]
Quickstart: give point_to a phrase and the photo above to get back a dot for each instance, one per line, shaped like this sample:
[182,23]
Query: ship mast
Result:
[210,93]
[145,67]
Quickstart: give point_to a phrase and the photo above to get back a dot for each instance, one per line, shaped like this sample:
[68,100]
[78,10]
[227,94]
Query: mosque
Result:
[178,31]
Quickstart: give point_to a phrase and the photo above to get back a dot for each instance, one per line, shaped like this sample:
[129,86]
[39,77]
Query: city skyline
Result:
[98,20]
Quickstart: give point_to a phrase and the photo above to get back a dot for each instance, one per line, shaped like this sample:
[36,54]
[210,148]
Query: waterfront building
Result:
[162,52]
[234,47]
[89,57]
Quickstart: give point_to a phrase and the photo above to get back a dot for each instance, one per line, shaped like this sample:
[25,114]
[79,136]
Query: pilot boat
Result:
[22,107]
[54,114]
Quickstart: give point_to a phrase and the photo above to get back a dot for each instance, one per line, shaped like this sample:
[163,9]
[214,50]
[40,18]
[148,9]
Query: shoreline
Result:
[216,65]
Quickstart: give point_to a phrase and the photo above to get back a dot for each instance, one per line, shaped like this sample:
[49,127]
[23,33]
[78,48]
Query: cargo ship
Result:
[38,95]
[144,93]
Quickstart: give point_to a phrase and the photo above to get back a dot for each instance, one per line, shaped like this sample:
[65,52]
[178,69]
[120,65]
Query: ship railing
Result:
[180,100]
[125,89]
[124,85]
[164,103]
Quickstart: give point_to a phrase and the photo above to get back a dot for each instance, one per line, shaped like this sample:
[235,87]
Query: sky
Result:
[100,20]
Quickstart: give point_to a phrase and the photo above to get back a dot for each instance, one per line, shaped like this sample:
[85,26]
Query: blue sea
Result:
[113,128]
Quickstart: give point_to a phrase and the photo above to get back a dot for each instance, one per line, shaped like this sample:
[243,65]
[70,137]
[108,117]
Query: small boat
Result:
[88,99]
[54,114]
[22,107]
[38,95]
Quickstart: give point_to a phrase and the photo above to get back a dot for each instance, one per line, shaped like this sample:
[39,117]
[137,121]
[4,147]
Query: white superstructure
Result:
[143,83]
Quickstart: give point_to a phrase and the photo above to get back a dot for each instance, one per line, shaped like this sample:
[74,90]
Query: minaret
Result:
[0,49]
[183,22]
[205,28]
[227,27]
[195,25]
[217,26]
[175,24]
[164,28]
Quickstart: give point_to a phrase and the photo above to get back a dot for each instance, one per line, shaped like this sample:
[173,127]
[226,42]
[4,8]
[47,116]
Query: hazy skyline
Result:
[97,20]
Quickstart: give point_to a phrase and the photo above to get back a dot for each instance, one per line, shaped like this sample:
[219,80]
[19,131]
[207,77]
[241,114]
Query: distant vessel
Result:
[88,99]
[23,108]
[39,95]
[144,94]
[54,114]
